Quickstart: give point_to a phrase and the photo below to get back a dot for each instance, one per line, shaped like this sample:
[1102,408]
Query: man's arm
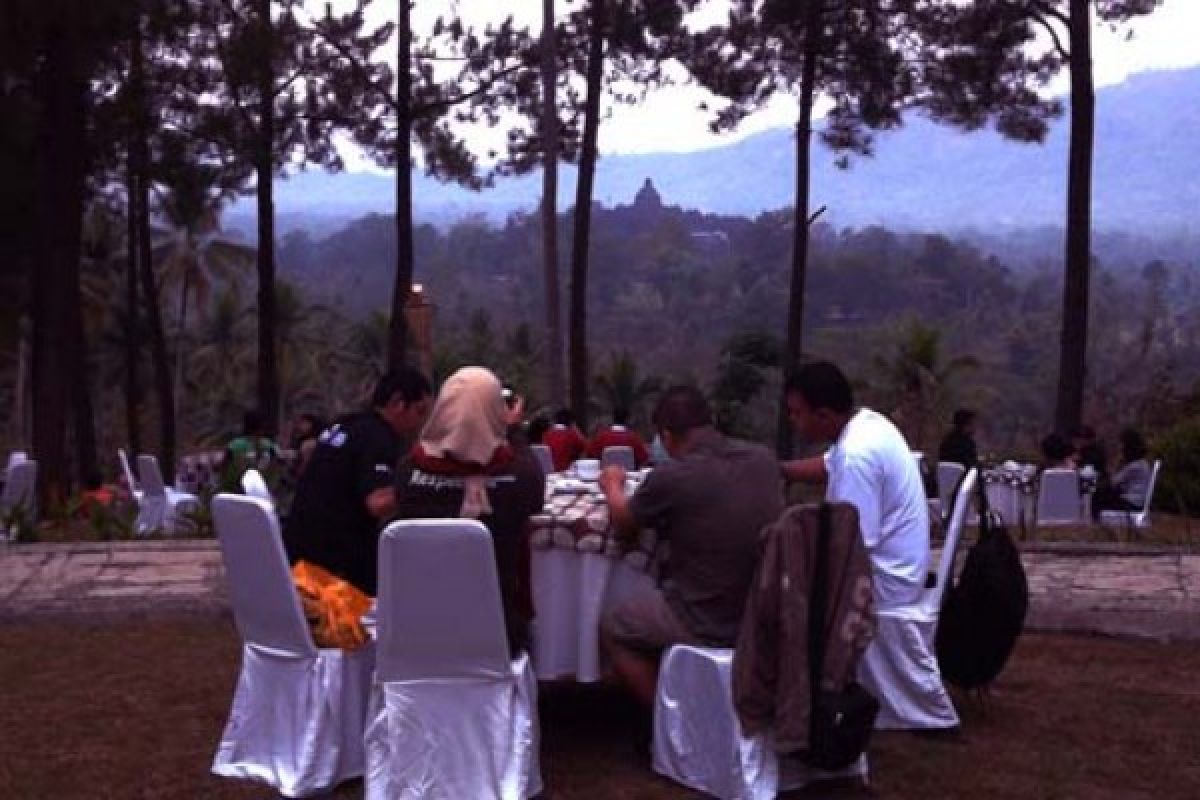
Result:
[805,470]
[612,484]
[381,503]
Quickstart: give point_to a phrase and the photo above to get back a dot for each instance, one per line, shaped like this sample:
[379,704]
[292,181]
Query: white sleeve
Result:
[856,484]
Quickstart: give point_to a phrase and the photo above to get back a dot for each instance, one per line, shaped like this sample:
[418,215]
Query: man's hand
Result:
[612,484]
[381,503]
[612,481]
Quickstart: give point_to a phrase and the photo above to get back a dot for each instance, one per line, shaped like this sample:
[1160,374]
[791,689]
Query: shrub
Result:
[1178,487]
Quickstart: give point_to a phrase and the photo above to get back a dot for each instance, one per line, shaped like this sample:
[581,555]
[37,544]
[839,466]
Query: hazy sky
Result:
[670,120]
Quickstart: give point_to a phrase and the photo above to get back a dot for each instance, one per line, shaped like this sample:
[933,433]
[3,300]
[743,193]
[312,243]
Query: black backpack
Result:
[984,611]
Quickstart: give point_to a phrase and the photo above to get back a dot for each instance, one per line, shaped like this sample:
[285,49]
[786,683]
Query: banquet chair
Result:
[949,473]
[254,485]
[544,457]
[698,740]
[20,491]
[135,491]
[160,507]
[620,455]
[900,667]
[1135,519]
[298,711]
[1059,501]
[451,713]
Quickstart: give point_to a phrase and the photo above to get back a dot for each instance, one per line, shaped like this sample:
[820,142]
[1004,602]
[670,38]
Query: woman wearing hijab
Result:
[464,465]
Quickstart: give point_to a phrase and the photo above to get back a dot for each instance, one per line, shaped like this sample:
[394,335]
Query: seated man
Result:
[870,466]
[619,435]
[565,441]
[709,502]
[254,449]
[346,490]
[959,444]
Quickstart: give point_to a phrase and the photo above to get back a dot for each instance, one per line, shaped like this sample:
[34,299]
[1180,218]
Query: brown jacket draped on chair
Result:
[770,665]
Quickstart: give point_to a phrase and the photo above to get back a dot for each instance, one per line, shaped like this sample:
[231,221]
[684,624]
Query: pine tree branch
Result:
[1038,15]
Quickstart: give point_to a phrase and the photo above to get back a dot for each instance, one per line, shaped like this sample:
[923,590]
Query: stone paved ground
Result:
[1113,589]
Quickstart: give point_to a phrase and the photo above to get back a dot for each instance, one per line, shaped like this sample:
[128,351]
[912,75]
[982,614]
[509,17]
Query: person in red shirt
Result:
[565,441]
[619,435]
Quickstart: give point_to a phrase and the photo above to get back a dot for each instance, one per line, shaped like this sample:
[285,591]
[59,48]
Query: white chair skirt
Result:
[900,669]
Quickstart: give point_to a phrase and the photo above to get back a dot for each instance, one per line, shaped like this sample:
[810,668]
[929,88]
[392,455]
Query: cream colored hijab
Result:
[467,424]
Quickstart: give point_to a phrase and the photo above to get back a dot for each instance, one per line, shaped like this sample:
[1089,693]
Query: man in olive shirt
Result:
[346,491]
[709,502]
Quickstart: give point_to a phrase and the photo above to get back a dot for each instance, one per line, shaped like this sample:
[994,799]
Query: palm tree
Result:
[916,383]
[620,386]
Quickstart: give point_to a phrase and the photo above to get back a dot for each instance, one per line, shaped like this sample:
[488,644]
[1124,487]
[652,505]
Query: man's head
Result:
[564,417]
[964,421]
[253,423]
[1056,449]
[681,411]
[403,397]
[819,401]
[620,416]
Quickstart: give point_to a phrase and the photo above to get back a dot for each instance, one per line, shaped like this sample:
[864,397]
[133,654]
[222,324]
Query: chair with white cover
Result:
[1059,501]
[1134,519]
[949,473]
[698,739]
[254,485]
[135,490]
[160,507]
[620,455]
[20,491]
[900,665]
[298,711]
[544,457]
[451,714]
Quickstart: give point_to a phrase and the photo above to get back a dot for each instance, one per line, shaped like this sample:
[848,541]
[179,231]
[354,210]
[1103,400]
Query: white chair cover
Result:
[900,666]
[620,455]
[451,715]
[160,507]
[254,485]
[544,457]
[1059,501]
[16,457]
[20,489]
[949,473]
[698,740]
[298,712]
[130,480]
[1135,519]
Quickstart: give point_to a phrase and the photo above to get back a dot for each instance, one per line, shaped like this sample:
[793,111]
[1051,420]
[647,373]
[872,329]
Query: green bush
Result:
[1178,487]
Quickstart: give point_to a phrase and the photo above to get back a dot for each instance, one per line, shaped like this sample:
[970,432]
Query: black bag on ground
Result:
[840,723]
[983,613]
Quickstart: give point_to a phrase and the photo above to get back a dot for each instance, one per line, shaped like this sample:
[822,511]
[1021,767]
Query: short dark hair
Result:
[564,417]
[620,415]
[253,422]
[681,409]
[963,417]
[1055,447]
[406,381]
[822,385]
[1133,446]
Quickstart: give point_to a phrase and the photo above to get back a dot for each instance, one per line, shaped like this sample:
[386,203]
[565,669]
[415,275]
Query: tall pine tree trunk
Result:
[264,168]
[159,357]
[554,353]
[1072,359]
[795,319]
[583,215]
[133,402]
[61,93]
[398,328]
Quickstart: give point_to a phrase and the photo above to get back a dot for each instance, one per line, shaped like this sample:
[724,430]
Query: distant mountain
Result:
[925,176]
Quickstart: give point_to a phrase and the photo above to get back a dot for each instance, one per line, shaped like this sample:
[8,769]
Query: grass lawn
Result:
[134,710]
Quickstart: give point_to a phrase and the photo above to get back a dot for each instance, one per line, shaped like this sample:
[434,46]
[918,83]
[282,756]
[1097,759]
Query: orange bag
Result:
[333,607]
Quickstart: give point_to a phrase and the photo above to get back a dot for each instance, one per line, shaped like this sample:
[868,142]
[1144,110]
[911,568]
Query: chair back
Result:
[1154,468]
[16,457]
[439,613]
[620,455]
[254,485]
[130,481]
[20,488]
[151,475]
[949,473]
[958,521]
[544,457]
[1059,501]
[265,604]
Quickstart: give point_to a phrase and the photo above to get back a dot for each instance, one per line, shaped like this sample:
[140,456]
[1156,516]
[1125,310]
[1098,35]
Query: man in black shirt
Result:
[959,444]
[346,490]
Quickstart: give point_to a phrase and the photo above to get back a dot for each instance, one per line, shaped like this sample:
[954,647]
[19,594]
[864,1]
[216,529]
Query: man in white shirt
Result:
[870,466]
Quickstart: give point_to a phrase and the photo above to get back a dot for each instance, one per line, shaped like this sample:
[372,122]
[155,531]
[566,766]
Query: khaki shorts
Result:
[644,621]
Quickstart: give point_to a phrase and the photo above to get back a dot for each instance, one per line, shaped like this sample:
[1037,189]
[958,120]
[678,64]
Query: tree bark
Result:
[1072,360]
[61,91]
[554,353]
[133,402]
[160,358]
[583,215]
[398,327]
[264,167]
[794,346]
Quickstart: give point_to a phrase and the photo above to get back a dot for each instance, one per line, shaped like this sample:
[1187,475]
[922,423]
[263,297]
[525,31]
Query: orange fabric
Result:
[93,499]
[333,607]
